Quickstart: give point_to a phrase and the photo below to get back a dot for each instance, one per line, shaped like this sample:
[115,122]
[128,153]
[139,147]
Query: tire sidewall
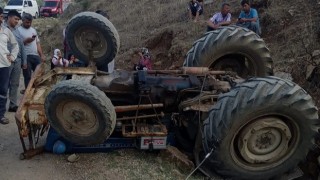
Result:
[100,116]
[212,57]
[99,23]
[245,116]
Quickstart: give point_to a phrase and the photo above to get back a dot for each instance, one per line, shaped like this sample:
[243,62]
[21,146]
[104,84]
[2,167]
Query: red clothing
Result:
[146,62]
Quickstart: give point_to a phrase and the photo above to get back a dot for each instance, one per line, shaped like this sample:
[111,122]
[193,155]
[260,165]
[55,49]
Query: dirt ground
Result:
[40,167]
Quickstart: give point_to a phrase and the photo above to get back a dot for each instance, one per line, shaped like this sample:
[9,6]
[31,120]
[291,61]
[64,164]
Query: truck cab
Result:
[51,8]
[22,6]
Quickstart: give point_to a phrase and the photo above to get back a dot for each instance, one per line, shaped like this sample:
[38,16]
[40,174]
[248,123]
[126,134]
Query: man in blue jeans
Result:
[21,61]
[248,18]
[6,58]
[32,47]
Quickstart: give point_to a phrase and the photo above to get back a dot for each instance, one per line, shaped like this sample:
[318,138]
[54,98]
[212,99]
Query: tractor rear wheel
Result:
[262,128]
[80,112]
[231,48]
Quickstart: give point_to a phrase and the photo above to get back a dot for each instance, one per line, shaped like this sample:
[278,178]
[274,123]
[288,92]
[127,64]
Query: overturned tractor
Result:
[222,106]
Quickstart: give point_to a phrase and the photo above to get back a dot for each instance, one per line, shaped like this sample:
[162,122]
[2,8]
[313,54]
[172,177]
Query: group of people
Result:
[248,18]
[20,50]
[59,61]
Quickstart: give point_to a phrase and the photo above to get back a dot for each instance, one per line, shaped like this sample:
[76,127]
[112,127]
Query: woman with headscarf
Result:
[58,60]
[145,60]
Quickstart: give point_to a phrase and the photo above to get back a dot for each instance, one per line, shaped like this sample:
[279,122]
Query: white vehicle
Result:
[23,6]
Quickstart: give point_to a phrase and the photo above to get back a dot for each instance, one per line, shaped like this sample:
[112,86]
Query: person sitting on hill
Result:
[195,10]
[248,18]
[222,18]
[145,60]
[74,62]
[58,60]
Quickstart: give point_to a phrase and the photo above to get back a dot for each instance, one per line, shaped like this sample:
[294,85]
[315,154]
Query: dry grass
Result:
[123,164]
[292,33]
[290,29]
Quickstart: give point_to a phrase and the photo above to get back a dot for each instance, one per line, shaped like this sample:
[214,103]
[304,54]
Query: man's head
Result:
[1,15]
[245,5]
[27,20]
[225,9]
[13,18]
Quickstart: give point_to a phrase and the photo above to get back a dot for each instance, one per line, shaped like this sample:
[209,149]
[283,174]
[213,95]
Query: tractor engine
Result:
[153,99]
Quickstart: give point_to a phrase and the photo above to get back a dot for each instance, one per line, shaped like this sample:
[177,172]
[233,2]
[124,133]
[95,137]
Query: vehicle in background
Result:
[51,8]
[23,6]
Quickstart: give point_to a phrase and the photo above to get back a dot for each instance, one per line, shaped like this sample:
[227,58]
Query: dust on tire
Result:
[90,121]
[237,46]
[109,42]
[250,102]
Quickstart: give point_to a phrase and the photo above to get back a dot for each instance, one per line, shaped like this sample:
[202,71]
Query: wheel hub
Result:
[265,140]
[77,117]
[91,39]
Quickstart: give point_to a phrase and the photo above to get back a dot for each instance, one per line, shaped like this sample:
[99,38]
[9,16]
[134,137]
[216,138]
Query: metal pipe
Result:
[137,107]
[190,71]
[140,117]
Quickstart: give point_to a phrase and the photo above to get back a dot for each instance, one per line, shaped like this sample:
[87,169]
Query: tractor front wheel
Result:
[80,112]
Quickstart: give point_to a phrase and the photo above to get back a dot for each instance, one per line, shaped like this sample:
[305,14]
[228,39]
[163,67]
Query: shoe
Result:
[22,91]
[4,120]
[13,109]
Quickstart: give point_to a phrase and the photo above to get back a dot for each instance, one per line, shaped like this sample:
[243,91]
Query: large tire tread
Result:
[257,92]
[229,40]
[104,25]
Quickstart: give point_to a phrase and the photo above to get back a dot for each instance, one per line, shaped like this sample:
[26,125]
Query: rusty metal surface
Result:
[144,130]
[77,117]
[140,117]
[21,117]
[264,141]
[136,107]
[191,71]
[119,81]
[31,152]
[65,71]
[202,103]
[31,109]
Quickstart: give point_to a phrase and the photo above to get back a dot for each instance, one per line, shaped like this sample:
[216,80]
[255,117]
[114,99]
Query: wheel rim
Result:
[265,142]
[89,38]
[240,64]
[77,118]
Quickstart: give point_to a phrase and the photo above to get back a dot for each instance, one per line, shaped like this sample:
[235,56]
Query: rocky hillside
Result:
[290,28]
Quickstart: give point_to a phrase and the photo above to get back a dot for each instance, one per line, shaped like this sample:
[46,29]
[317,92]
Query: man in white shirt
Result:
[6,58]
[13,19]
[222,18]
[32,47]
